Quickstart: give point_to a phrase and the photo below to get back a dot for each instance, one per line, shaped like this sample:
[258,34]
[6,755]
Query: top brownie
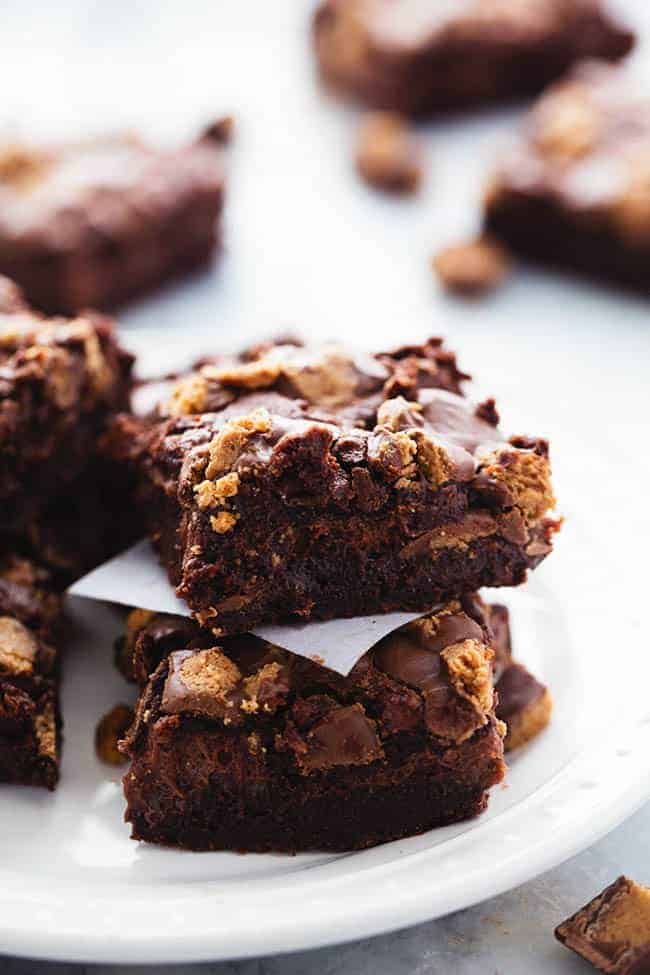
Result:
[575,189]
[423,56]
[59,380]
[89,224]
[300,483]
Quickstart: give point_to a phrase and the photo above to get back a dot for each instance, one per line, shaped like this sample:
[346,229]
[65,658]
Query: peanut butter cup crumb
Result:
[230,441]
[472,269]
[223,522]
[211,672]
[189,396]
[110,730]
[387,155]
[18,647]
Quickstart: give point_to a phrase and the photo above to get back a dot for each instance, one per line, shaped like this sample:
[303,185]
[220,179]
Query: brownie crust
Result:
[245,746]
[421,58]
[92,224]
[302,483]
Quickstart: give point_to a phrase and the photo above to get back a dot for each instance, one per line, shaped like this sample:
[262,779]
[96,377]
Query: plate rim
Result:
[351,917]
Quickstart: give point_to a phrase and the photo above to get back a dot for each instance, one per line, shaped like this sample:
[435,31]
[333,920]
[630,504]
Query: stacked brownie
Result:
[303,483]
[60,380]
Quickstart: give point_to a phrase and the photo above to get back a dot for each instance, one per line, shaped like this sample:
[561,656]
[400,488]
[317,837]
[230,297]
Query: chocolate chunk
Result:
[346,736]
[524,703]
[613,930]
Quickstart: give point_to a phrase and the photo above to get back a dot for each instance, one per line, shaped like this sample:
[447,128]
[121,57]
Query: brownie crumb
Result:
[110,730]
[472,269]
[220,131]
[612,931]
[388,157]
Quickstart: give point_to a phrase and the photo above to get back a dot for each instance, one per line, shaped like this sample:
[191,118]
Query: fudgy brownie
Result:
[524,704]
[91,224]
[245,746]
[30,633]
[612,932]
[304,483]
[59,381]
[575,190]
[425,56]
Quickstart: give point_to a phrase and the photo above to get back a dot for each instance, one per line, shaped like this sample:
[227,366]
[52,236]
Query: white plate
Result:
[307,246]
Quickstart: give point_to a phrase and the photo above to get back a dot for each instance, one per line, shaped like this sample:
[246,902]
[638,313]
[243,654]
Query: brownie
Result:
[574,190]
[30,635]
[613,930]
[307,483]
[420,57]
[59,381]
[245,746]
[524,703]
[93,223]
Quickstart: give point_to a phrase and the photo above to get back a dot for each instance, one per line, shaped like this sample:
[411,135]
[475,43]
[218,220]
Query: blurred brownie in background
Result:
[94,223]
[574,192]
[30,639]
[425,56]
[241,745]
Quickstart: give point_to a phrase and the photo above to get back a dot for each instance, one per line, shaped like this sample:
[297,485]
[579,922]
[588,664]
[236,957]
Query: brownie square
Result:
[93,223]
[30,635]
[309,483]
[574,192]
[244,746]
[60,379]
[425,56]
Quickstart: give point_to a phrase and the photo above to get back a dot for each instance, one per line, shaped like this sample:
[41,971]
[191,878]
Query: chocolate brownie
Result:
[244,746]
[305,483]
[59,381]
[524,704]
[30,633]
[426,56]
[613,930]
[575,190]
[91,224]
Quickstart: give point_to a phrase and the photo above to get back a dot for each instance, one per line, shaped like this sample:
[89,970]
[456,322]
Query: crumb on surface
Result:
[472,269]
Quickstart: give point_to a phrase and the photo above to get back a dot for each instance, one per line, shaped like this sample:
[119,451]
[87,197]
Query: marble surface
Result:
[509,935]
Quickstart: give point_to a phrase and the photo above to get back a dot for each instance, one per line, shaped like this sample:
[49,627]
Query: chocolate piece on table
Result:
[109,732]
[387,155]
[613,930]
[573,192]
[307,483]
[59,381]
[93,223]
[245,746]
[425,56]
[472,269]
[30,724]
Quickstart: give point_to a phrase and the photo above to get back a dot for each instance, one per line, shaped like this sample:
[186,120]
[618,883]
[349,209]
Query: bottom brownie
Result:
[30,724]
[245,746]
